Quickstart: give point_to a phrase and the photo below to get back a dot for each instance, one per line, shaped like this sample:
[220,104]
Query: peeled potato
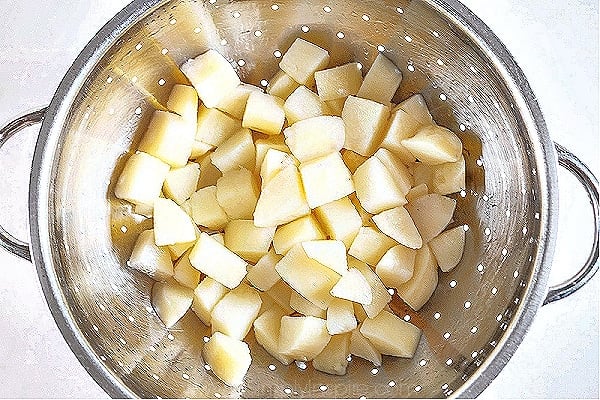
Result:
[448,247]
[228,358]
[434,145]
[171,301]
[391,335]
[423,282]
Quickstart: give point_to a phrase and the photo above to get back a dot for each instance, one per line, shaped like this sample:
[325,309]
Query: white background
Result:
[556,44]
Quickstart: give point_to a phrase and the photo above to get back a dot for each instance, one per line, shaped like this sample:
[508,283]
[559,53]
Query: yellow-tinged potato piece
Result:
[325,179]
[212,76]
[263,145]
[264,113]
[243,304]
[330,253]
[300,230]
[219,237]
[281,294]
[237,151]
[315,137]
[273,163]
[391,335]
[359,312]
[333,359]
[171,301]
[381,297]
[228,358]
[375,187]
[397,224]
[381,81]
[353,286]
[185,274]
[340,316]
[235,103]
[217,261]
[417,191]
[206,210]
[199,149]
[365,122]
[417,108]
[150,259]
[183,100]
[302,60]
[144,210]
[370,245]
[448,178]
[206,295]
[365,216]
[209,174]
[171,224]
[398,171]
[282,85]
[237,193]
[431,214]
[303,337]
[361,347]
[142,179]
[262,275]
[340,220]
[247,240]
[448,247]
[305,307]
[266,332]
[168,137]
[396,266]
[338,82]
[176,250]
[352,160]
[336,106]
[420,287]
[302,104]
[214,126]
[434,145]
[180,183]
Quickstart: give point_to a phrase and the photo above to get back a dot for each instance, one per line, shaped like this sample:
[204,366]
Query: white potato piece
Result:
[282,85]
[396,266]
[365,122]
[171,224]
[176,250]
[340,220]
[381,81]
[431,214]
[168,137]
[398,224]
[448,247]
[302,104]
[171,301]
[199,149]
[391,335]
[340,316]
[315,137]
[229,359]
[235,103]
[417,191]
[237,193]
[263,275]
[336,106]
[333,359]
[303,337]
[448,178]
[209,174]
[247,240]
[338,82]
[375,187]
[212,76]
[206,295]
[243,303]
[281,293]
[185,274]
[398,171]
[264,113]
[361,347]
[417,291]
[263,145]
[365,216]
[434,145]
[302,229]
[352,160]
[381,296]
[353,286]
[302,60]
[214,126]
[150,259]
[325,179]
[330,253]
[305,307]
[206,210]
[266,332]
[359,312]
[237,151]
[273,163]
[370,245]
[142,179]
[183,100]
[180,183]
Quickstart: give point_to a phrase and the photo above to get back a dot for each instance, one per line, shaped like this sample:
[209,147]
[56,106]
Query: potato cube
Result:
[171,301]
[228,358]
[333,359]
[302,60]
[381,296]
[183,100]
[214,126]
[391,335]
[264,113]
[416,192]
[352,160]
[142,179]
[305,307]
[338,82]
[381,81]
[431,214]
[361,347]
[199,149]
[330,253]
[206,295]
[353,286]
[150,259]
[365,122]
[185,274]
[302,104]
[340,316]
[281,293]
[168,137]
[263,145]
[375,187]
[176,250]
[325,179]
[300,230]
[180,183]
[206,211]
[263,275]
[237,151]
[340,220]
[448,247]
[235,103]
[400,174]
[273,163]
[248,241]
[303,337]
[243,302]
[397,224]
[417,108]
[365,216]
[336,106]
[448,178]
[209,174]
[266,332]
[370,245]
[171,224]
[315,137]
[434,145]
[212,76]
[282,85]
[396,266]
[420,287]
[237,193]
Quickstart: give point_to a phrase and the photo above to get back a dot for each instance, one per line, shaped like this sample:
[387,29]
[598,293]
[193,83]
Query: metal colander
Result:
[82,236]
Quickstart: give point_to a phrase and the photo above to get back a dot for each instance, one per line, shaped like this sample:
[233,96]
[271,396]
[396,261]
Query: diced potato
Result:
[315,137]
[183,100]
[338,82]
[264,113]
[180,183]
[420,287]
[235,103]
[206,295]
[273,163]
[381,81]
[340,220]
[300,230]
[282,85]
[336,106]
[448,247]
[185,274]
[171,224]
[448,178]
[217,261]
[243,302]
[302,60]
[398,171]
[237,151]
[325,179]
[352,160]
[212,76]
[353,286]
[333,359]
[206,210]
[365,216]
[282,199]
[142,179]
[176,250]
[381,297]
[168,137]
[375,187]
[302,104]
[361,347]
[305,307]
[417,108]
[281,294]
[330,253]
[219,237]
[416,192]
[340,316]
[431,214]
[209,174]
[171,301]
[303,338]
[214,126]
[365,122]
[199,149]
[391,335]
[228,358]
[248,241]
[237,193]
[434,145]
[263,275]
[263,145]
[359,312]
[144,210]
[150,259]
[266,332]
[397,224]
[396,266]
[370,245]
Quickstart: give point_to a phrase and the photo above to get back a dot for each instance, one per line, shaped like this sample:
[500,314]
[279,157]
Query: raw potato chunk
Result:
[396,266]
[168,137]
[305,307]
[353,286]
[281,294]
[448,178]
[214,126]
[398,171]
[217,261]
[282,85]
[431,214]
[263,275]
[264,113]
[330,253]
[247,240]
[142,179]
[243,303]
[302,60]
[336,106]
[237,193]
[325,179]
[237,151]
[185,274]
[338,82]
[315,137]
[397,224]
[171,224]
[180,183]
[235,103]
[183,100]
[370,245]
[209,174]
[375,187]
[171,301]
[391,335]
[199,149]
[302,104]
[448,247]
[340,317]
[300,230]
[416,192]
[263,145]
[206,210]
[365,216]
[150,259]
[381,297]
[420,287]
[274,162]
[381,82]
[266,332]
[212,76]
[361,347]
[176,250]
[303,337]
[206,295]
[229,358]
[434,145]
[365,122]
[334,357]
[352,160]
[340,220]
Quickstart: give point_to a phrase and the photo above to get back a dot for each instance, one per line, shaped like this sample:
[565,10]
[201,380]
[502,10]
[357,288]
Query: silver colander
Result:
[81,236]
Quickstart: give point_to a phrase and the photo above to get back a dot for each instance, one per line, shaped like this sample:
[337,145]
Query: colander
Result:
[81,235]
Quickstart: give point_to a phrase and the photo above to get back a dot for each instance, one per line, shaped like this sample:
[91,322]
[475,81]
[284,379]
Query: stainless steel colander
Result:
[81,236]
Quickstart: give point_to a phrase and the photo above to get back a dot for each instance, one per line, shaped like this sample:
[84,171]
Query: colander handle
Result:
[571,163]
[8,241]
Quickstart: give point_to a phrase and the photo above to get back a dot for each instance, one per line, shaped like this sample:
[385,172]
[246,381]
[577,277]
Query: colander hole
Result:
[217,395]
[349,358]
[340,35]
[365,17]
[152,349]
[305,28]
[241,62]
[327,9]
[173,21]
[536,215]
[423,363]
[223,42]
[138,46]
[515,274]
[131,319]
[473,69]
[487,231]
[323,388]
[206,339]
[408,38]
[272,367]
[474,329]
[274,7]
[287,391]
[359,66]
[164,51]
[452,283]
[197,29]
[462,127]
[449,362]
[391,291]
[504,252]
[443,97]
[479,162]
[439,62]
[103,358]
[480,268]
[485,197]
[447,335]
[236,14]
[123,341]
[463,193]
[437,315]
[264,82]
[499,317]
[411,68]
[161,82]
[493,343]
[170,337]
[381,48]
[444,386]
[474,354]
[277,53]
[156,377]
[392,383]
[467,304]
[407,317]
[124,229]
[134,79]
[258,33]
[301,365]
[185,376]
[94,327]
[466,226]
[471,99]
[524,230]
[435,33]
[109,79]
[207,367]
[101,306]
[374,371]
[494,290]
[516,300]
[399,10]
[418,388]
